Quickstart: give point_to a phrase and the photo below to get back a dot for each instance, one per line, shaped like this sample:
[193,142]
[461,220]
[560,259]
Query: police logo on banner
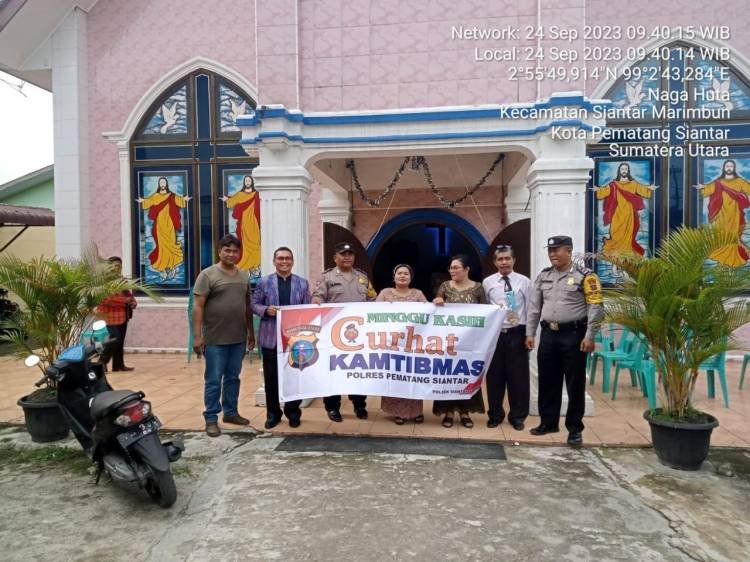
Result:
[302,346]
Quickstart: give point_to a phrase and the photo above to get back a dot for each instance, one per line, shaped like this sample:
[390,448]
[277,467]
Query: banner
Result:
[405,350]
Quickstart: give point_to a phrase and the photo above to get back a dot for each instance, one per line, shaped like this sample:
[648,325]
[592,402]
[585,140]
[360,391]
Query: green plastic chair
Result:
[717,364]
[745,361]
[647,374]
[623,351]
[606,342]
[633,364]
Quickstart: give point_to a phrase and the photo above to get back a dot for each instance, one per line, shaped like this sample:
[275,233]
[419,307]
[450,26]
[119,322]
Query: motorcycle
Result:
[116,428]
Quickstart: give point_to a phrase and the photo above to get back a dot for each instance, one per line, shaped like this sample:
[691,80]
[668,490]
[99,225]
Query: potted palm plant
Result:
[685,308]
[58,298]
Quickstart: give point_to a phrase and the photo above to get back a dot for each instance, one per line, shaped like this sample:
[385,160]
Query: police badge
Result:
[302,350]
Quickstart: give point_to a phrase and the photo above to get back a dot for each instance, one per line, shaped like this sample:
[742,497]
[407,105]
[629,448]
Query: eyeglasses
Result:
[504,248]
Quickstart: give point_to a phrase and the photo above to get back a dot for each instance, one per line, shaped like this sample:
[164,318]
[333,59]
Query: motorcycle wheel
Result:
[160,486]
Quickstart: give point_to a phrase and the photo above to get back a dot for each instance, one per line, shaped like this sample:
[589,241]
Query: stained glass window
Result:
[192,183]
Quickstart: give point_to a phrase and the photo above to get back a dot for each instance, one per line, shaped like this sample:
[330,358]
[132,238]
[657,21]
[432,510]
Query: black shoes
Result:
[294,422]
[335,416]
[271,423]
[542,429]
[575,439]
[517,424]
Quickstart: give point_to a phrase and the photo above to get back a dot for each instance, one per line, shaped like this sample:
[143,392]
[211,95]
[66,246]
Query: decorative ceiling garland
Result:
[418,162]
[379,199]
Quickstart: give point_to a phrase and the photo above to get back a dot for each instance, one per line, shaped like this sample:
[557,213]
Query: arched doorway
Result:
[425,239]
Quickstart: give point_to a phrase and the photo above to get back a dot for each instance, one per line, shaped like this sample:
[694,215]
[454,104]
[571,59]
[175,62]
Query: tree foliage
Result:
[685,310]
[58,298]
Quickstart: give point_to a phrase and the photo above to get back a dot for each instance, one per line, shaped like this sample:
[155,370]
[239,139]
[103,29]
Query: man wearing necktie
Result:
[510,362]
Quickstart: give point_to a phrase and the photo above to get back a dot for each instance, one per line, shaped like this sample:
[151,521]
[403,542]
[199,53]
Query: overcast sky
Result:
[25,129]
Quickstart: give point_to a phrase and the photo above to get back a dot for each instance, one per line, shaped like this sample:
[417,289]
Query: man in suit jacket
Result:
[281,288]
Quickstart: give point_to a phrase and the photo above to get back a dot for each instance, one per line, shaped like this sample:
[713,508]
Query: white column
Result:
[70,105]
[334,207]
[123,155]
[284,193]
[558,204]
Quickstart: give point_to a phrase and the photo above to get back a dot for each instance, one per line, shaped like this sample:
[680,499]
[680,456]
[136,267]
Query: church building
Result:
[414,130]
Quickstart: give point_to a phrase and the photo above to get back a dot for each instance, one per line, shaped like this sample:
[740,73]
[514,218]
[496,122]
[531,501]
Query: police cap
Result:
[557,241]
[342,247]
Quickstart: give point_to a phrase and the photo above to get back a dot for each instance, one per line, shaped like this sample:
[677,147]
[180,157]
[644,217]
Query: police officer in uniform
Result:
[567,298]
[344,283]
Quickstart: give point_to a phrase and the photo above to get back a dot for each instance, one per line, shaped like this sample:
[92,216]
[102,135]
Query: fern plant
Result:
[58,297]
[685,310]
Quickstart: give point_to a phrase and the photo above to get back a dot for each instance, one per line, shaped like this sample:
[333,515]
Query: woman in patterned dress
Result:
[460,289]
[402,409]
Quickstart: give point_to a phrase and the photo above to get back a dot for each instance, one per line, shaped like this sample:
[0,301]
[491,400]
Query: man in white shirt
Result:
[510,363]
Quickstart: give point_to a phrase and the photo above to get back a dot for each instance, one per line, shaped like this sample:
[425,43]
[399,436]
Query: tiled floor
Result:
[175,388]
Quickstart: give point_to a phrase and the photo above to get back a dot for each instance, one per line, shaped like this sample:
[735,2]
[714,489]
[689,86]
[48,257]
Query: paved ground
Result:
[240,499]
[175,388]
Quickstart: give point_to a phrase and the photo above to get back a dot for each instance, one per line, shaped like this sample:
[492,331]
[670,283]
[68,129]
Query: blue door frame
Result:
[422,216]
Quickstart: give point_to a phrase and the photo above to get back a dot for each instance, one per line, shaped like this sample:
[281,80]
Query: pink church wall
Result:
[130,46]
[367,54]
[352,55]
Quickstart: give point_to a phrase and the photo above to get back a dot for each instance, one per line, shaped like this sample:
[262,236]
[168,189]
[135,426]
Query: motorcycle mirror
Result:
[31,361]
[99,325]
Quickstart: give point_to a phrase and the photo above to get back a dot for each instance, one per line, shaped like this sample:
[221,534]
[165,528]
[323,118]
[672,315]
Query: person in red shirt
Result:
[117,310]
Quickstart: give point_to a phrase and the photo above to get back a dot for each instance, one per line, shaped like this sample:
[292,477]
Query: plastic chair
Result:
[647,374]
[607,342]
[717,363]
[624,350]
[745,361]
[632,363]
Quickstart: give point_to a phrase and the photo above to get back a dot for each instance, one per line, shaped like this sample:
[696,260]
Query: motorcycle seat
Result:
[105,402]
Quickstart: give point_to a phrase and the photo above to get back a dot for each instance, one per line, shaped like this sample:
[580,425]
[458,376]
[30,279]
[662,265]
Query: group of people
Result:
[565,300]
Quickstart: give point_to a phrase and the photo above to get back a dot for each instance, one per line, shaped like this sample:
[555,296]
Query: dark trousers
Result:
[560,358]
[118,347]
[271,384]
[334,402]
[509,367]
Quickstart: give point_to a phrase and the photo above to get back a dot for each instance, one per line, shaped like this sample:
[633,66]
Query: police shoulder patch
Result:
[592,289]
[585,271]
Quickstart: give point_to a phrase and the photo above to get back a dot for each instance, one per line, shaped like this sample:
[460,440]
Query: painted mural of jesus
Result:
[727,203]
[623,199]
[245,207]
[163,208]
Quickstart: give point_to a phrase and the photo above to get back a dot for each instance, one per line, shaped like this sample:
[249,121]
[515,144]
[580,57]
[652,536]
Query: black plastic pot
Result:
[681,445]
[44,421]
